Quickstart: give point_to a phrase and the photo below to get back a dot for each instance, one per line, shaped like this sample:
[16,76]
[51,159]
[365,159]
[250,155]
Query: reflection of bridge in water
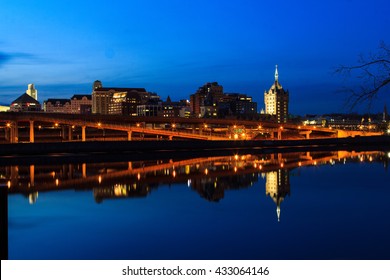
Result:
[210,177]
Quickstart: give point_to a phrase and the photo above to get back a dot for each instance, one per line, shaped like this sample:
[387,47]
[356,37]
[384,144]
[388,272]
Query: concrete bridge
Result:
[176,128]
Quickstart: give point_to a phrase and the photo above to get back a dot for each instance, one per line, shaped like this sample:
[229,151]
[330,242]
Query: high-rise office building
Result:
[123,101]
[204,102]
[276,100]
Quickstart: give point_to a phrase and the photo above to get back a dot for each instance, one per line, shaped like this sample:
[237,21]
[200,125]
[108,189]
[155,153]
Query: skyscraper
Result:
[276,100]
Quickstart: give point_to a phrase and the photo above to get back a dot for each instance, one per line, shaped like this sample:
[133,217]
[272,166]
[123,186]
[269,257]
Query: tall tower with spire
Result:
[276,100]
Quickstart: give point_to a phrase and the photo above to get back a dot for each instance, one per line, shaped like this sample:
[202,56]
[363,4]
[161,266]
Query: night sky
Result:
[173,47]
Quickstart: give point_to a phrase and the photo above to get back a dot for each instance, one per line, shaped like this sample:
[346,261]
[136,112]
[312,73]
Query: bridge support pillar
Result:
[129,135]
[279,134]
[63,134]
[306,133]
[170,137]
[7,134]
[83,133]
[14,137]
[70,133]
[31,131]
[200,129]
[4,222]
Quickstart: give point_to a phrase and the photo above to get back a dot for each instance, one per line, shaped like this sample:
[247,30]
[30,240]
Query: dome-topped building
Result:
[276,100]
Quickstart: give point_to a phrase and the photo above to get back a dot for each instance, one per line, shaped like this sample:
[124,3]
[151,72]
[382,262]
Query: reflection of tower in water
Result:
[277,186]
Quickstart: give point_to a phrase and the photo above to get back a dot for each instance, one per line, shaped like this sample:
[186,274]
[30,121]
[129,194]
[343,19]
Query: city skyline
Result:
[172,48]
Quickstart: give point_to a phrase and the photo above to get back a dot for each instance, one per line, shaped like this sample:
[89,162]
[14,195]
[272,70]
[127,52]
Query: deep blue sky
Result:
[173,47]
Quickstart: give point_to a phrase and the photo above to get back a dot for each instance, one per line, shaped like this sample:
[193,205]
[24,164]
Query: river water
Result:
[314,205]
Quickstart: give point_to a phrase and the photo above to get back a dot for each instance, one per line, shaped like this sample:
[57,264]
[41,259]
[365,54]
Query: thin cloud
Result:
[8,57]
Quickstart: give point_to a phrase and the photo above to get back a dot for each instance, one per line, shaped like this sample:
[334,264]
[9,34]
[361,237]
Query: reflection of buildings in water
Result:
[277,186]
[210,177]
[134,190]
[213,188]
[32,197]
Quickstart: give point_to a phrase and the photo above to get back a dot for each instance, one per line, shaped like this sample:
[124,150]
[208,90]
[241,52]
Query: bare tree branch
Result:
[374,74]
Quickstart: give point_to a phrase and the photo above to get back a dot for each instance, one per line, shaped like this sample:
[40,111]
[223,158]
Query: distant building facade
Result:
[78,104]
[204,101]
[119,101]
[25,103]
[57,105]
[276,100]
[210,102]
[236,104]
[81,104]
[31,91]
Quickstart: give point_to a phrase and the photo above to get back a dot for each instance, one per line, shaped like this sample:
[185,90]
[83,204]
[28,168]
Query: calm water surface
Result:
[330,205]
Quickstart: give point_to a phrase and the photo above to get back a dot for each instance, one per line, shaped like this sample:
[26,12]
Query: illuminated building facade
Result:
[118,101]
[276,100]
[81,104]
[57,105]
[149,110]
[32,91]
[236,104]
[207,96]
[210,102]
